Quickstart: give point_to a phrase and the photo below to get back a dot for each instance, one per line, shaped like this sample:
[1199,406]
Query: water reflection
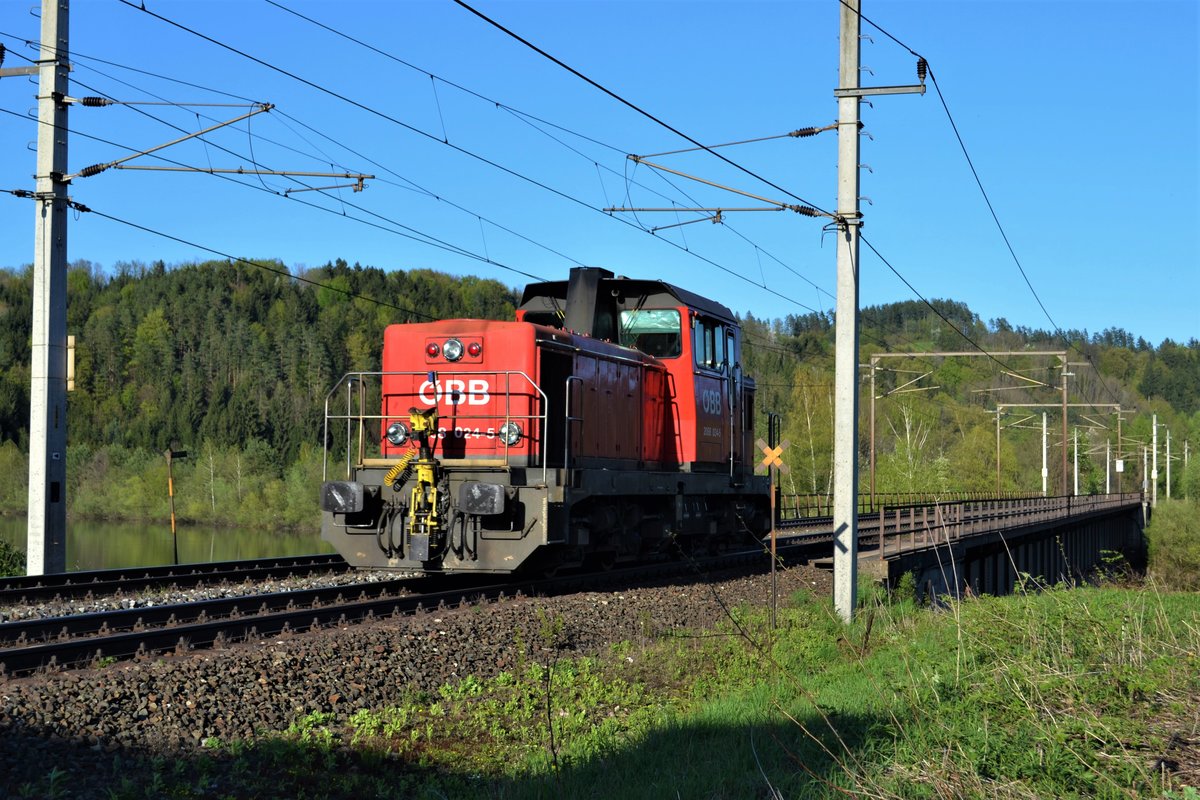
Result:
[105,545]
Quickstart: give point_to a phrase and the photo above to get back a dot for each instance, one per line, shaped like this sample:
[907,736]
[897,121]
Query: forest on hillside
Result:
[232,361]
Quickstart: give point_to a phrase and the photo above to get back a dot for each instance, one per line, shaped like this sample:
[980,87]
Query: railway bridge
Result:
[988,545]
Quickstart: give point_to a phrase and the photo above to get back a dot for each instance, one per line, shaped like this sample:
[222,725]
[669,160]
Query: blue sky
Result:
[1080,118]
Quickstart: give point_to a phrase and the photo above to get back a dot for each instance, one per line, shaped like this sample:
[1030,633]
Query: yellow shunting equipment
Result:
[423,509]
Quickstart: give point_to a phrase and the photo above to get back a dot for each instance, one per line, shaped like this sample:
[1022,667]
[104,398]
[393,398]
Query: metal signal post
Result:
[773,462]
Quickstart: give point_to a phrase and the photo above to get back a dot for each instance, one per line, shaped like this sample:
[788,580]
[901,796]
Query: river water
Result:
[106,545]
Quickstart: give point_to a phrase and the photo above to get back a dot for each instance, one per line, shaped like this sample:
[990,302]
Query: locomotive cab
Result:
[698,342]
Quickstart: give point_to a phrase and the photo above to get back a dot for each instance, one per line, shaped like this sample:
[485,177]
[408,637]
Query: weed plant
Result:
[12,560]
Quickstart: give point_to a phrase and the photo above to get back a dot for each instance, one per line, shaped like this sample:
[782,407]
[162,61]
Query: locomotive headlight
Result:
[397,433]
[510,433]
[452,349]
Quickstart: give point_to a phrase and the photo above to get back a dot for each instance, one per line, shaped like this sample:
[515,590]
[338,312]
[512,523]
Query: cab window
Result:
[709,337]
[656,332]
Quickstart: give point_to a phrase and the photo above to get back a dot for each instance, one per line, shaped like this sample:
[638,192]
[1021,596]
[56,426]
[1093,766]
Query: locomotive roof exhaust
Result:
[583,314]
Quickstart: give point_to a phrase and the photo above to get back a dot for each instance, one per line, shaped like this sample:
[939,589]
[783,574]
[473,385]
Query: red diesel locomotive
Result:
[608,423]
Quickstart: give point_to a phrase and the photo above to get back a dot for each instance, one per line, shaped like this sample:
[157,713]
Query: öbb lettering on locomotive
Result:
[609,422]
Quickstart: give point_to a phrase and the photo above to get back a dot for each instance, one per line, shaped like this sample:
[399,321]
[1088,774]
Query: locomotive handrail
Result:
[568,420]
[361,417]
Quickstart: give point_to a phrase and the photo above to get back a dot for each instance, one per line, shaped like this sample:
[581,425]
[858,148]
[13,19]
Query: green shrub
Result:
[14,479]
[12,560]
[1174,537]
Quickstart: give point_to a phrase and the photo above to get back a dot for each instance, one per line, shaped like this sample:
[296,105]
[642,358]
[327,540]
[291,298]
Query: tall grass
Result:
[1174,540]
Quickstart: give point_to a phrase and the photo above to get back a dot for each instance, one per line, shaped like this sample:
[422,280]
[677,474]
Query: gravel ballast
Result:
[87,721]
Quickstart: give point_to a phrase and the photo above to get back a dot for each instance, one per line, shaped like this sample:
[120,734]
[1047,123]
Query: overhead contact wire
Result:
[630,105]
[987,200]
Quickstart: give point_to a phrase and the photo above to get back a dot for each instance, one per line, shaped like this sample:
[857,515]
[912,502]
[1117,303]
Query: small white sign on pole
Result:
[1120,465]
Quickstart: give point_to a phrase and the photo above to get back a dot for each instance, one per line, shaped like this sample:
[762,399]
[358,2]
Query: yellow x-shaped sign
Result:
[774,455]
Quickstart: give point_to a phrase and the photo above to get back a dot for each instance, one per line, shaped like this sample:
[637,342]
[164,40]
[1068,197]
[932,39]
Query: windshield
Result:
[653,331]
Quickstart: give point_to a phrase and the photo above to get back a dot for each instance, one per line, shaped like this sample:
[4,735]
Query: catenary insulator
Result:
[95,102]
[922,69]
[94,169]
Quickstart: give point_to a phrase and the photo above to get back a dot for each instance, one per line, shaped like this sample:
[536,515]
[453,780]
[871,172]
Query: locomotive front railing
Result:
[359,392]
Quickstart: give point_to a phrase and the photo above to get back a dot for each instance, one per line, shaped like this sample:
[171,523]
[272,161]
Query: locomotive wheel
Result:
[603,561]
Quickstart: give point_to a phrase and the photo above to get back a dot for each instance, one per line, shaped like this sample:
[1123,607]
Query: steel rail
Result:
[46,629]
[26,589]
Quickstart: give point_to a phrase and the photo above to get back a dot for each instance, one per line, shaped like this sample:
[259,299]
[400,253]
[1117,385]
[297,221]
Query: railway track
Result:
[27,646]
[29,589]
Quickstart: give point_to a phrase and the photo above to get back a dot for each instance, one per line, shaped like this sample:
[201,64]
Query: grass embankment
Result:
[1053,694]
[1067,692]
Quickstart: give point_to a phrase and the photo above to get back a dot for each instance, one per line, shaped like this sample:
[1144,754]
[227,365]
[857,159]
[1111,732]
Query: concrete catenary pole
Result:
[1065,375]
[47,524]
[1154,464]
[1045,471]
[874,366]
[1168,463]
[998,413]
[1108,466]
[1145,474]
[845,444]
[1120,459]
[1075,457]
